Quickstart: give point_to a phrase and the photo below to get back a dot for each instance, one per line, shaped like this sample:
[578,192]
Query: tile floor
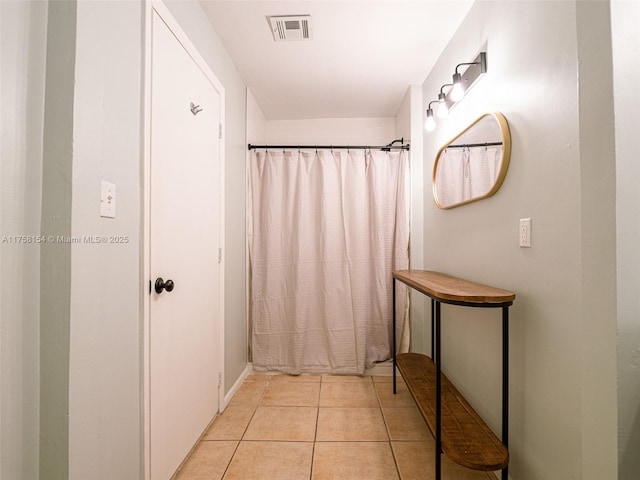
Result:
[311,427]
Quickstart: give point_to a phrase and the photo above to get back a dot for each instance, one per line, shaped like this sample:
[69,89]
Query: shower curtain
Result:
[326,229]
[468,172]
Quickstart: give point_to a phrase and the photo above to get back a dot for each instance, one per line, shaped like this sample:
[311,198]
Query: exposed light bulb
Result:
[443,110]
[430,123]
[456,92]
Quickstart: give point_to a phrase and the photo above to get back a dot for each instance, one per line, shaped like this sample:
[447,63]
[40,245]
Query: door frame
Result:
[157,6]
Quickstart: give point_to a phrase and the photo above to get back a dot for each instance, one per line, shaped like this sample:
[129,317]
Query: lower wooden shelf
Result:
[466,439]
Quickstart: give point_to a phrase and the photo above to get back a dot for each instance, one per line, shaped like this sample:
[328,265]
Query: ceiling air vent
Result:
[290,27]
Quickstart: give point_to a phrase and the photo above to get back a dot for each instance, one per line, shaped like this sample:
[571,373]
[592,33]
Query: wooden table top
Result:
[448,289]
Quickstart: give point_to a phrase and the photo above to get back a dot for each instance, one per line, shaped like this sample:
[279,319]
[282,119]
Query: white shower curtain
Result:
[465,173]
[326,230]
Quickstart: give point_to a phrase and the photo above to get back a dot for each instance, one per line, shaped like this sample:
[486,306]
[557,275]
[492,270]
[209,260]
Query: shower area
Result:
[326,226]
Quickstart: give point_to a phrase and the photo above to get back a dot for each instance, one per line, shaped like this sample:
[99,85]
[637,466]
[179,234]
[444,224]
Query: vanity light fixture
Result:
[461,84]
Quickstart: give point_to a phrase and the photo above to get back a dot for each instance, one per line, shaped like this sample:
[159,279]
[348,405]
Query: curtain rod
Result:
[331,147]
[471,145]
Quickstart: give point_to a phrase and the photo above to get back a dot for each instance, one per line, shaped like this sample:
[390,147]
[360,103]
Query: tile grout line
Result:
[315,433]
[386,426]
[245,429]
[322,381]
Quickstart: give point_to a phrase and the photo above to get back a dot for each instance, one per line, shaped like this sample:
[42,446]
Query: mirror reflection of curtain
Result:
[468,172]
[325,232]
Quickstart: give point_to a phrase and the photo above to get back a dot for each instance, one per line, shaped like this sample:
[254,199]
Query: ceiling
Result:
[361,59]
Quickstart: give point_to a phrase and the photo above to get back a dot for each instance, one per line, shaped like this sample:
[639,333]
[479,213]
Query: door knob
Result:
[162,285]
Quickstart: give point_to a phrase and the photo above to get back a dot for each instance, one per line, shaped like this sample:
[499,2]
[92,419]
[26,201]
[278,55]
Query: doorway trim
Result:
[157,6]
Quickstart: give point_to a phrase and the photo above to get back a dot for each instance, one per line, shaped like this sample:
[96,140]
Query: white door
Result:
[185,233]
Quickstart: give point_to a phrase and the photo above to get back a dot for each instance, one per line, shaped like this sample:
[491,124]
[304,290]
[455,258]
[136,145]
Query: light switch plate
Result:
[108,200]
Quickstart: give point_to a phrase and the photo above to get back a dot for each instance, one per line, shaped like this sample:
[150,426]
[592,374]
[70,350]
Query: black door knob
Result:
[162,285]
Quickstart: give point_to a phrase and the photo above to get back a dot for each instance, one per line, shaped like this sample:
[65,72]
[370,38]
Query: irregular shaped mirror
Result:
[472,166]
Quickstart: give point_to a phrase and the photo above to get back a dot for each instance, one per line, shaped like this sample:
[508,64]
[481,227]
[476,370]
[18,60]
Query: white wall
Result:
[331,131]
[90,361]
[257,135]
[256,122]
[55,258]
[409,126]
[598,241]
[107,284]
[533,81]
[193,21]
[626,51]
[23,30]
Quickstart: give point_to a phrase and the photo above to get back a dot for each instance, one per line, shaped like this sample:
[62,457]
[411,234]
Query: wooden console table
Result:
[458,430]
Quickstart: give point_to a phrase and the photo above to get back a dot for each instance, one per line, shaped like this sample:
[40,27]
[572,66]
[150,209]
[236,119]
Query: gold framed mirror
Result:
[473,164]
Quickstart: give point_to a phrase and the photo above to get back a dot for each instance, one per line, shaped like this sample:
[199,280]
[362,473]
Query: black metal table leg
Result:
[394,335]
[438,396]
[432,322]
[505,384]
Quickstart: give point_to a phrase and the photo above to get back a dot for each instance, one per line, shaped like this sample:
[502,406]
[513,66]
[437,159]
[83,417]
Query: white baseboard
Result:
[381,369]
[232,391]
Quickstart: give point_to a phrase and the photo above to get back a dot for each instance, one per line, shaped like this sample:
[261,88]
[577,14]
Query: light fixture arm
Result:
[481,60]
[462,64]
[442,98]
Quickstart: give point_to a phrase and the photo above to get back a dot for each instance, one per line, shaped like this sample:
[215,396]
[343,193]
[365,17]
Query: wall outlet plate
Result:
[524,234]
